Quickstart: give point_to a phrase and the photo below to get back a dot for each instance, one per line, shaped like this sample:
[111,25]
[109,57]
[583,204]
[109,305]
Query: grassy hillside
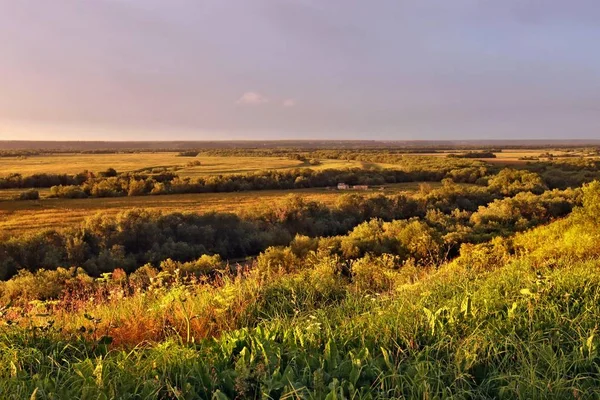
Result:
[511,318]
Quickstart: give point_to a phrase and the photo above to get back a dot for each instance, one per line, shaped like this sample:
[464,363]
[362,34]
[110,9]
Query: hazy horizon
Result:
[290,69]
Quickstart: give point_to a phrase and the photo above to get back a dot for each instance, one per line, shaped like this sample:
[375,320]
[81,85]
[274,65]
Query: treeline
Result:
[535,177]
[453,214]
[560,174]
[21,153]
[47,180]
[18,181]
[473,154]
[506,182]
[190,153]
[130,184]
[569,172]
[563,174]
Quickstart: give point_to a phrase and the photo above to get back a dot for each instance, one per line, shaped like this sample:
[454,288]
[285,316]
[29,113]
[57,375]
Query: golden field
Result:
[125,162]
[32,215]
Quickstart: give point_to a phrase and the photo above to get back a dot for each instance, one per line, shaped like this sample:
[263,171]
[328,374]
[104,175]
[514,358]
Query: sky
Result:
[299,69]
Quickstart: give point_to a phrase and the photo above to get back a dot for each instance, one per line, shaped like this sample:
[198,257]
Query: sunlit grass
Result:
[211,165]
[22,216]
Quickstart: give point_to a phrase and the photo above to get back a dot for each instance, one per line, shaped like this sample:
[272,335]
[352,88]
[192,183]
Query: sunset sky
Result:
[299,69]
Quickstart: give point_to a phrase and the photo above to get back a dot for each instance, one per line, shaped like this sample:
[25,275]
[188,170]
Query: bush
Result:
[137,188]
[204,265]
[31,194]
[485,256]
[188,153]
[374,274]
[41,285]
[277,260]
[142,277]
[110,187]
[109,173]
[68,192]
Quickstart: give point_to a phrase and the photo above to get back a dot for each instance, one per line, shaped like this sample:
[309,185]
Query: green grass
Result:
[453,334]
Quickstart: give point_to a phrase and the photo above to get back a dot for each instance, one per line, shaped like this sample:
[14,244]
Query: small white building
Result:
[343,186]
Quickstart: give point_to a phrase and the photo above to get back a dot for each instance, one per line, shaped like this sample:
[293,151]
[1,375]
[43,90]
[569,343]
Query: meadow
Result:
[18,217]
[481,283]
[72,163]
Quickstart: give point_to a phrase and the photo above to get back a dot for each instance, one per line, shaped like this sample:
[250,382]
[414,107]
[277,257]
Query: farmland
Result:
[434,277]
[29,216]
[125,162]
[72,163]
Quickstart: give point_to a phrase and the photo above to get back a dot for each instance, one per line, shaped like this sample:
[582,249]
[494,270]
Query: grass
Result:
[28,216]
[516,331]
[11,194]
[211,165]
[491,324]
[507,157]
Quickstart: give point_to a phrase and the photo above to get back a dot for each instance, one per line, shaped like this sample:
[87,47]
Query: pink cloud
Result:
[252,98]
[289,102]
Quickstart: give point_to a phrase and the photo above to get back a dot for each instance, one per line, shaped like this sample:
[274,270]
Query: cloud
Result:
[289,102]
[252,99]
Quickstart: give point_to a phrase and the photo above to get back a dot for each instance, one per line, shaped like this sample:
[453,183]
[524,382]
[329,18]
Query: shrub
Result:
[485,256]
[374,274]
[277,260]
[188,153]
[110,187]
[31,194]
[204,265]
[159,188]
[142,277]
[326,281]
[41,285]
[68,192]
[136,188]
[302,245]
[109,173]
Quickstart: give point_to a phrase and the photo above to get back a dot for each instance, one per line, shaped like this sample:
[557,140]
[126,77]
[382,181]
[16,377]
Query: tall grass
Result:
[516,332]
